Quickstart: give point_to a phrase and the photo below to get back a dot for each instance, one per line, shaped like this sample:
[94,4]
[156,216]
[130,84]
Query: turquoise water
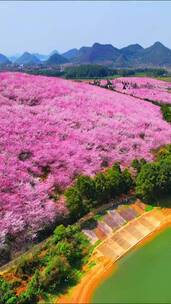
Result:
[142,276]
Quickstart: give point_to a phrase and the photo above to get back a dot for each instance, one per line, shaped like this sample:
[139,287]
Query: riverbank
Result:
[83,292]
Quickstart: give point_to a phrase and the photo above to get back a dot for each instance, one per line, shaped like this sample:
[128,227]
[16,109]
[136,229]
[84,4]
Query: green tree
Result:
[7,295]
[102,187]
[86,187]
[127,181]
[59,233]
[27,265]
[138,163]
[12,300]
[164,176]
[67,249]
[57,272]
[164,152]
[154,179]
[74,202]
[114,179]
[166,111]
[87,71]
[33,291]
[146,183]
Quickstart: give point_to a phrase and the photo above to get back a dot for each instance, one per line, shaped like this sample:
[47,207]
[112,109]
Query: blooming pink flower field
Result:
[64,128]
[144,87]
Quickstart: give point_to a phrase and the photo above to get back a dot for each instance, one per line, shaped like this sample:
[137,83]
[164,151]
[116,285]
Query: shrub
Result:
[27,265]
[33,290]
[166,111]
[59,233]
[138,163]
[7,295]
[164,152]
[56,273]
[67,249]
[12,300]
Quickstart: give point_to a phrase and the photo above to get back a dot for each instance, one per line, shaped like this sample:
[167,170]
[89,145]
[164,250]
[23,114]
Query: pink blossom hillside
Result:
[51,130]
[144,87]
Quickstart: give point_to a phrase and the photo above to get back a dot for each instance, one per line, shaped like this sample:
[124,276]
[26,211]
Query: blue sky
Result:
[42,26]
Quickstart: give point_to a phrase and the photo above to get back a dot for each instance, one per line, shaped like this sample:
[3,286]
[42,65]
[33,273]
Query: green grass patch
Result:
[166,111]
[79,273]
[98,217]
[94,246]
[149,208]
[91,264]
[167,78]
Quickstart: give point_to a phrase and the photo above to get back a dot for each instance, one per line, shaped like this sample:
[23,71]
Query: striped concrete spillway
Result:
[113,220]
[117,244]
[122,228]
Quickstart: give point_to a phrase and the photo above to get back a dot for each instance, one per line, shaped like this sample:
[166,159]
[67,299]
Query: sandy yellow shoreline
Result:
[105,265]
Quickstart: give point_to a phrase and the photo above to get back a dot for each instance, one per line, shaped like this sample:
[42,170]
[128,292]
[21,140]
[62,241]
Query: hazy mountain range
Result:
[133,55]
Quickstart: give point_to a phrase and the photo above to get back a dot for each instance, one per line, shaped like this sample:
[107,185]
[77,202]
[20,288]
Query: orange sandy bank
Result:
[83,292]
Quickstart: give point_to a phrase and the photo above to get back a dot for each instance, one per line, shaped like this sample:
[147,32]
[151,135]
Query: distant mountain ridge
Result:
[41,57]
[131,51]
[133,55]
[4,60]
[56,59]
[71,54]
[53,52]
[157,54]
[98,53]
[27,59]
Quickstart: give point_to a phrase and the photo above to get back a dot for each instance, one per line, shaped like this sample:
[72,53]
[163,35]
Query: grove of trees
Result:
[87,71]
[88,192]
[154,179]
[57,265]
